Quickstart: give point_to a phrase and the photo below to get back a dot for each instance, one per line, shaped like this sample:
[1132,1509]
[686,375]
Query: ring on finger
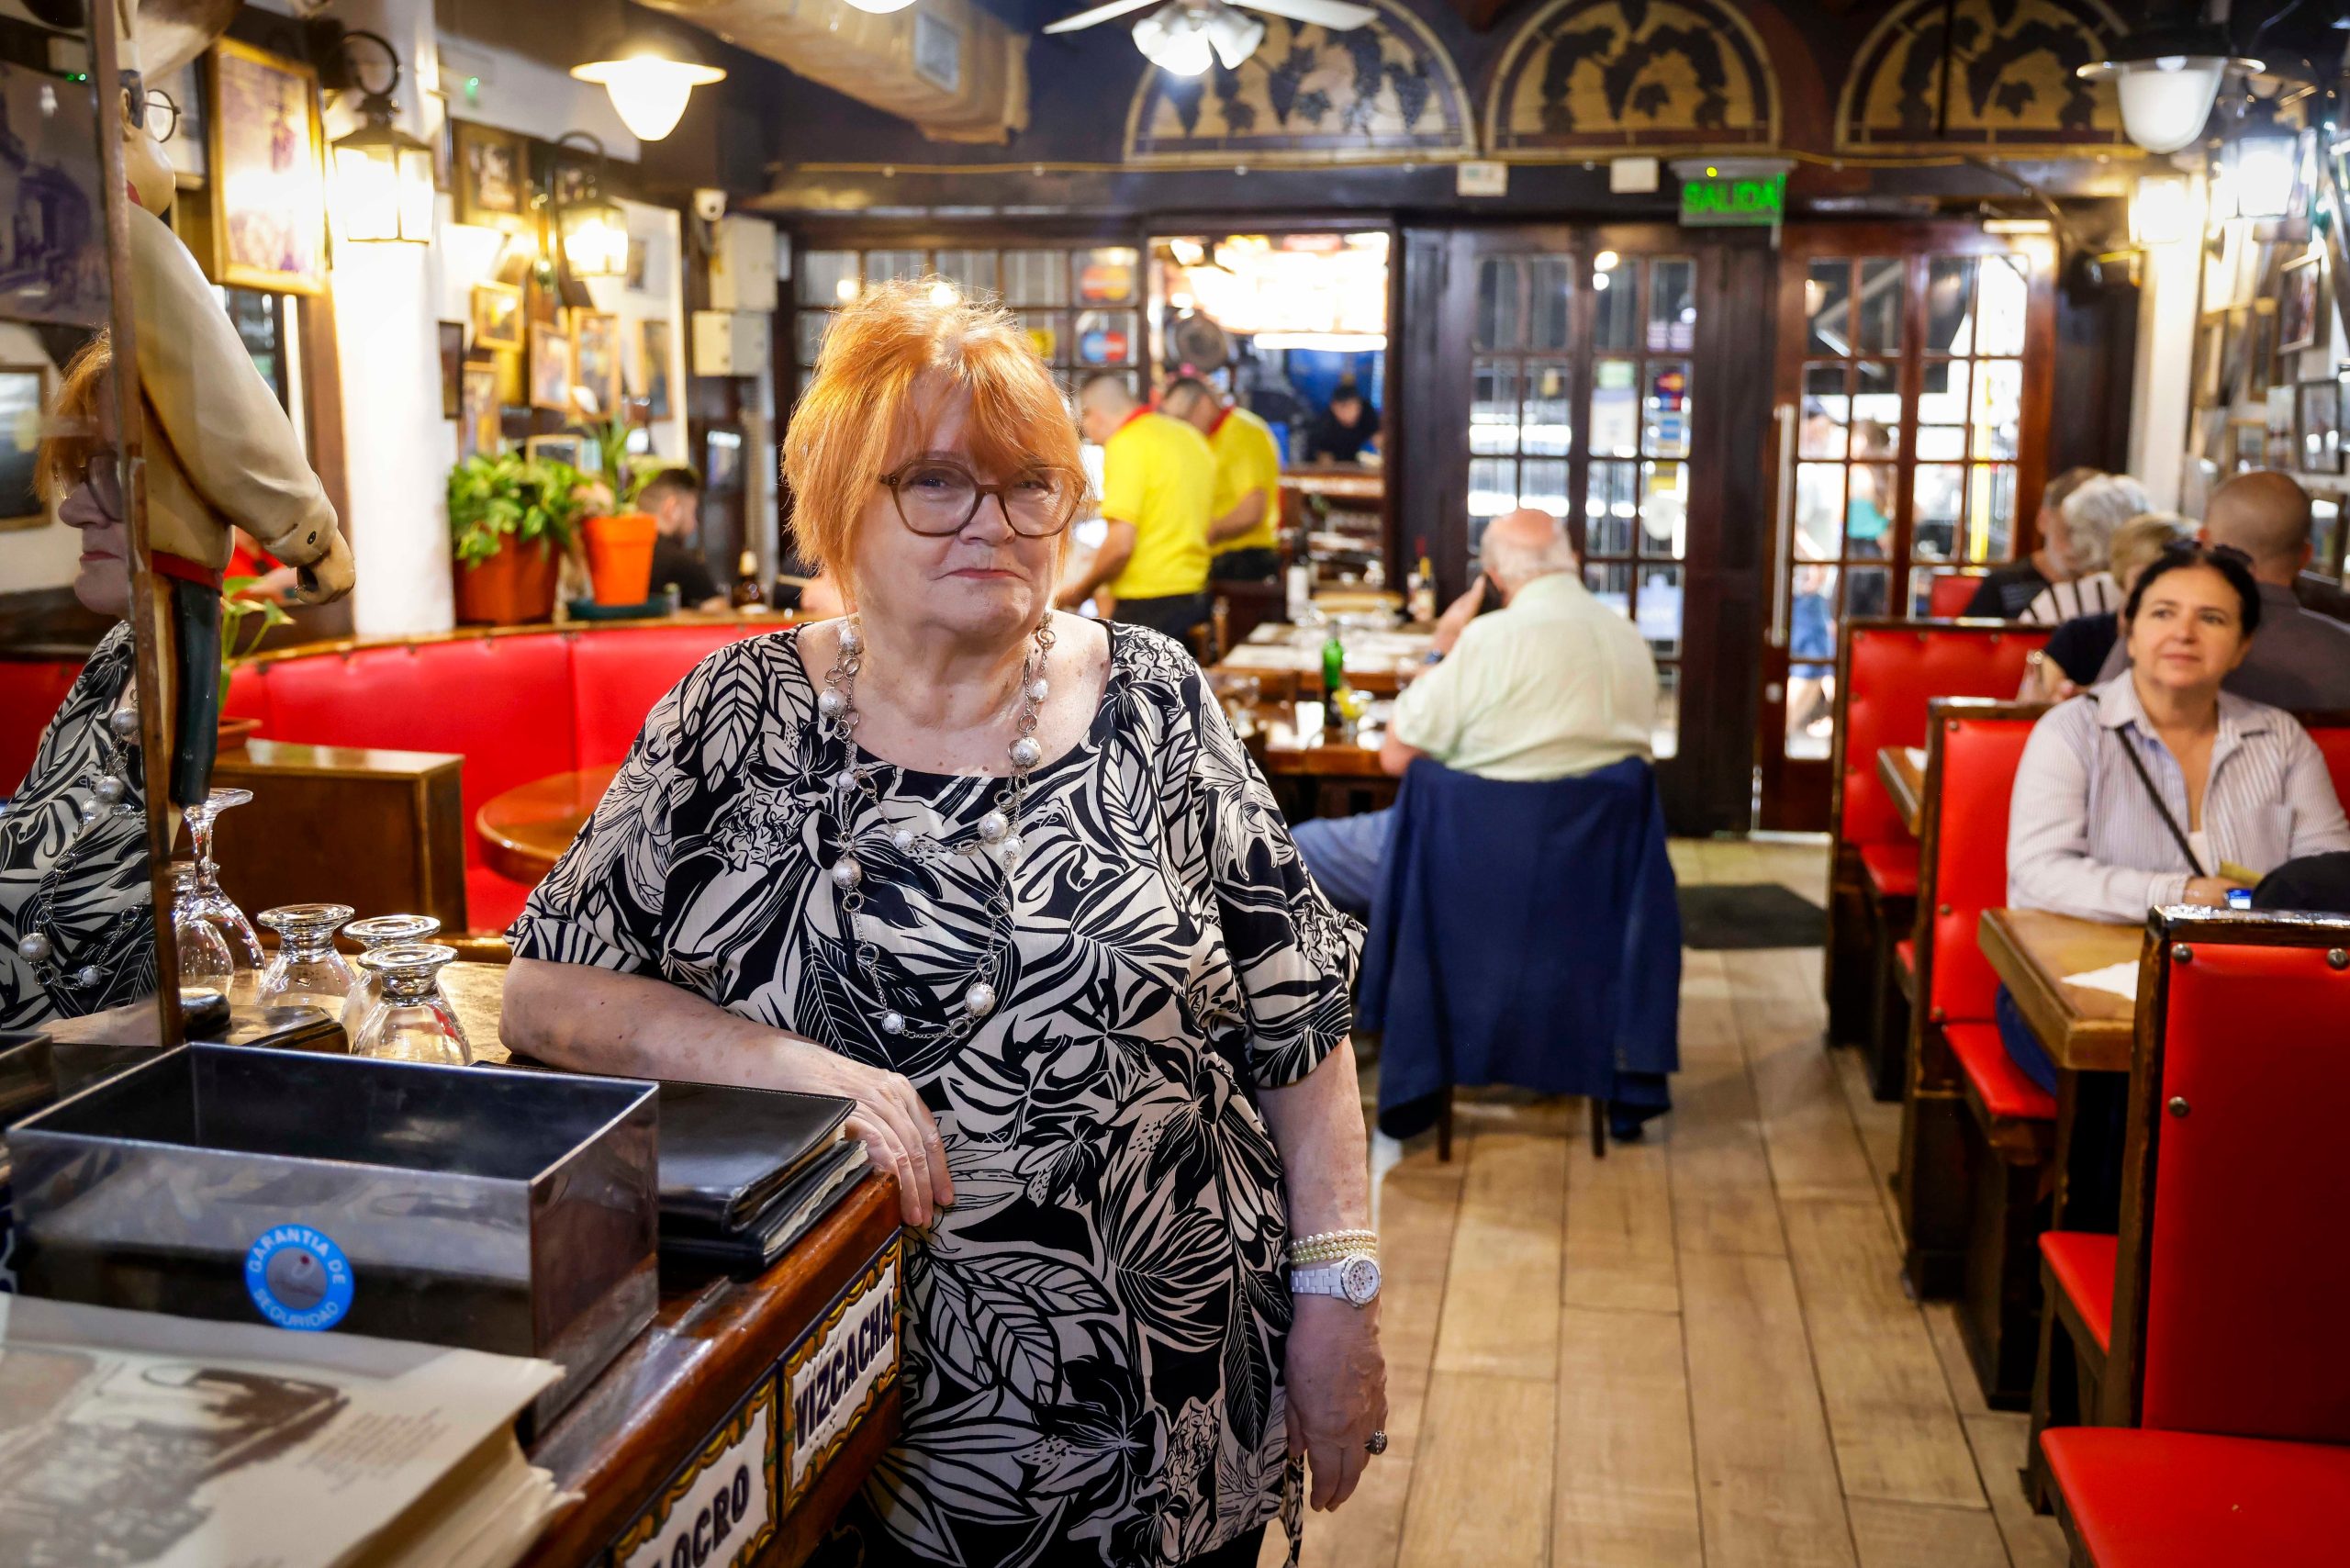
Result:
[1376,1443]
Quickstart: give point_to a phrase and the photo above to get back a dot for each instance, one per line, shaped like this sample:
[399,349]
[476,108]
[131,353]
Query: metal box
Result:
[497,1210]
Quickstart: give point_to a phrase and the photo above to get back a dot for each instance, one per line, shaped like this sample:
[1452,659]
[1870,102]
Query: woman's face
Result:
[984,582]
[103,584]
[2188,632]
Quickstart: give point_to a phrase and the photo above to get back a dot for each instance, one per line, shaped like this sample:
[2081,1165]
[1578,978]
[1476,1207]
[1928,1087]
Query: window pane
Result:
[1493,406]
[827,277]
[1109,276]
[1937,504]
[1548,428]
[1543,485]
[1998,406]
[1034,277]
[1868,590]
[1500,286]
[1941,443]
[1105,337]
[1825,412]
[1819,511]
[1611,500]
[813,325]
[1811,653]
[889,267]
[1826,304]
[1615,307]
[1950,283]
[1611,585]
[973,272]
[1876,399]
[1666,408]
[1615,408]
[1550,281]
[1942,392]
[1672,304]
[1868,510]
[1664,510]
[1991,512]
[1665,740]
[1999,312]
[1660,610]
[1493,485]
[1880,306]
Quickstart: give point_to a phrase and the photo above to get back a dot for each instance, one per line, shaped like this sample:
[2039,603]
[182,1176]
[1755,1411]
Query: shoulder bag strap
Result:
[2137,765]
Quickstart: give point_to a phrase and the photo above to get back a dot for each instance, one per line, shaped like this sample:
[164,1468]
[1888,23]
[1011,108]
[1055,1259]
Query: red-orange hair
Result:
[71,432]
[861,415]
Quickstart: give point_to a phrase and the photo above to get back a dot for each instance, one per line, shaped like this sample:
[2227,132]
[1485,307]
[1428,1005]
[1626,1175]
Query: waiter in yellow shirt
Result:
[1158,480]
[1247,481]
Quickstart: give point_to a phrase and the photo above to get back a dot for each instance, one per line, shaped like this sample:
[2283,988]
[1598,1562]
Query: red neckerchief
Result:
[1221,415]
[1130,419]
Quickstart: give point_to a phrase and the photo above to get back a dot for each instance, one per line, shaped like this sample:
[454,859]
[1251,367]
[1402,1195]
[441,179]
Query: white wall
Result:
[2163,376]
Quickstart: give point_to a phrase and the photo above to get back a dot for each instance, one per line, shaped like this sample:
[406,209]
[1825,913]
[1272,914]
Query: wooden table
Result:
[1902,770]
[1315,754]
[1288,658]
[2083,1030]
[525,830]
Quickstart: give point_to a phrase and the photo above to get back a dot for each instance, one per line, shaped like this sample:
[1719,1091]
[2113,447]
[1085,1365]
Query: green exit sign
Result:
[1734,201]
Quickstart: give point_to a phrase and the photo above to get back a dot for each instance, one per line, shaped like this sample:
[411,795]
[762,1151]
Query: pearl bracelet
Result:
[1326,1246]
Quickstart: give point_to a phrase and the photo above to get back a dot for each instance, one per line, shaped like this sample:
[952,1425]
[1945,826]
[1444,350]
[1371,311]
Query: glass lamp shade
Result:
[649,90]
[383,186]
[2257,174]
[2165,101]
[595,238]
[880,7]
[1175,38]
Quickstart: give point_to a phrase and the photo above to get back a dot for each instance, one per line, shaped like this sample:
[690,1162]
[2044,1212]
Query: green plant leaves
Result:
[496,496]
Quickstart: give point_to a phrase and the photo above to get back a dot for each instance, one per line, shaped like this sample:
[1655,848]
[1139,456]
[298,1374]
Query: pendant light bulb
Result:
[649,86]
[1175,38]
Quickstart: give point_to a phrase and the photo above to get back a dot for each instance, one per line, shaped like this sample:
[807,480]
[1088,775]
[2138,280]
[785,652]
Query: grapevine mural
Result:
[1999,75]
[1602,76]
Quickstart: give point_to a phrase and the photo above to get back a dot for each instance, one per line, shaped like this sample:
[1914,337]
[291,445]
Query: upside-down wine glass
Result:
[214,907]
[379,931]
[412,1020]
[307,970]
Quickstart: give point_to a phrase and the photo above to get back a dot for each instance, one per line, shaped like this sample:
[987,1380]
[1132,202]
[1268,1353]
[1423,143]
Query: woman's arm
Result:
[592,1020]
[1337,1378]
[2319,826]
[2049,864]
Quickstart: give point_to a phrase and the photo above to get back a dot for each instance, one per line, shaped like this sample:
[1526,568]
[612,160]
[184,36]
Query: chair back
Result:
[2228,1310]
[2332,734]
[1887,671]
[1949,593]
[1972,751]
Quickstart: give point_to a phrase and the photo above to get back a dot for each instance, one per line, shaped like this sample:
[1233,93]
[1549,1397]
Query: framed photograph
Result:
[480,429]
[596,363]
[268,185]
[2298,297]
[571,449]
[55,214]
[24,389]
[498,316]
[550,369]
[493,175]
[653,344]
[453,358]
[2259,351]
[2319,424]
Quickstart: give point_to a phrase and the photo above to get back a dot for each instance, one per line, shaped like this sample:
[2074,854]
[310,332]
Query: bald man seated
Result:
[1553,684]
[2300,660]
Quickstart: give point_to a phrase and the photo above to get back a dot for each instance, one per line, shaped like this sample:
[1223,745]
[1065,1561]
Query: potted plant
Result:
[510,517]
[620,539]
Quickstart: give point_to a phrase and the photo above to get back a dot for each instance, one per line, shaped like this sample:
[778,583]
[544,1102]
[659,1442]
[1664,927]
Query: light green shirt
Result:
[1555,684]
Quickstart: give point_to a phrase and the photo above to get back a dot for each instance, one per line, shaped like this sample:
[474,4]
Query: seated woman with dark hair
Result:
[2156,786]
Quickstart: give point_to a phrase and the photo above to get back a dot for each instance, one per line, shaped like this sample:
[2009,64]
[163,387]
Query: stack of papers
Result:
[2120,980]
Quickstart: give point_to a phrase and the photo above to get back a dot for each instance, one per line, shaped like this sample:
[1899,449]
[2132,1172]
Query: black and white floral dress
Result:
[1096,1329]
[77,933]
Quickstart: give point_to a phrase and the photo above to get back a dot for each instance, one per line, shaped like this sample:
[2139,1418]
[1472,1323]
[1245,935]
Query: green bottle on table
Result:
[1334,667]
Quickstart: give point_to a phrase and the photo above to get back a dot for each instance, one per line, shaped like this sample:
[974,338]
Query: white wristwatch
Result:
[1353,1279]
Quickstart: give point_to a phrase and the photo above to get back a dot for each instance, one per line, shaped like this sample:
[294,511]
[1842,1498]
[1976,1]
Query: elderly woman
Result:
[1003,876]
[2157,786]
[2089,518]
[77,931]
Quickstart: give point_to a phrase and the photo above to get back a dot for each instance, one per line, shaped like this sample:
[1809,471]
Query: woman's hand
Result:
[2212,892]
[1338,1392]
[890,1121]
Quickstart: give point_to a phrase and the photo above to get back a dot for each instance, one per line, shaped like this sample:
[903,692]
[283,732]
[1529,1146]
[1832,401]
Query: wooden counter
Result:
[2082,1030]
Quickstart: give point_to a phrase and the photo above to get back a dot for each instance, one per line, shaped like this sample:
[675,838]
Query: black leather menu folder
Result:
[753,1247]
[727,1151]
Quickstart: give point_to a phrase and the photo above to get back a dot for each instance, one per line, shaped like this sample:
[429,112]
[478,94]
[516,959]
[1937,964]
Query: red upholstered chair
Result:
[1887,673]
[2225,1406]
[1949,593]
[2332,733]
[1975,1131]
[31,691]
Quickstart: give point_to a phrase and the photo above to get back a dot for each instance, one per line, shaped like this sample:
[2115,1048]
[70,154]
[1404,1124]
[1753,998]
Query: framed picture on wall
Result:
[550,369]
[453,357]
[493,175]
[2298,296]
[566,448]
[23,389]
[498,316]
[268,184]
[596,363]
[479,426]
[2319,424]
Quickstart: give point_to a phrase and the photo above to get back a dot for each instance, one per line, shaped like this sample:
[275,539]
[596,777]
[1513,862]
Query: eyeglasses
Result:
[151,106]
[936,499]
[101,472]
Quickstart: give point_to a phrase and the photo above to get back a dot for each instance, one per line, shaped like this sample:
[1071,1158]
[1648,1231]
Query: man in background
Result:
[673,498]
[1247,481]
[2005,592]
[1157,486]
[1341,434]
[2300,659]
[1553,684]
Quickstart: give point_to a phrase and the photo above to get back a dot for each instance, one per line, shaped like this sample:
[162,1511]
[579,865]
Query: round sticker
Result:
[298,1278]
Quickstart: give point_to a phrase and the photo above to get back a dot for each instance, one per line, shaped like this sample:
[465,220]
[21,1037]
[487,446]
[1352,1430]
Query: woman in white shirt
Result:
[2156,786]
[2089,518]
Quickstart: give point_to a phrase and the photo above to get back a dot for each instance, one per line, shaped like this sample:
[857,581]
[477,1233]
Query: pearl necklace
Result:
[858,813]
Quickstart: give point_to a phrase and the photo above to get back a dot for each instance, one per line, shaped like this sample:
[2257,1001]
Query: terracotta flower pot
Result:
[513,587]
[619,558]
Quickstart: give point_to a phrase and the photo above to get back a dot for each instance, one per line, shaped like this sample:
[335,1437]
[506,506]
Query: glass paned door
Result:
[1913,368]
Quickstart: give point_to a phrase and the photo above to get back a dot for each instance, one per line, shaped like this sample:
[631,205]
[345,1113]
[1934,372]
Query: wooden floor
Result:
[1697,1351]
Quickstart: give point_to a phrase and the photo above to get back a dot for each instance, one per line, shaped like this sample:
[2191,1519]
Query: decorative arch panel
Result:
[1602,77]
[1310,96]
[1939,75]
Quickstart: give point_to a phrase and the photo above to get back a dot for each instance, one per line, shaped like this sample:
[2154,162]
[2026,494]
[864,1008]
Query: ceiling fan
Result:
[1184,37]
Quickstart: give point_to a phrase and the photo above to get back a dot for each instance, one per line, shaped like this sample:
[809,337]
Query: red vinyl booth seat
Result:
[2334,744]
[1979,758]
[2151,1499]
[1892,673]
[1891,868]
[517,708]
[2082,1264]
[1949,593]
[31,693]
[2004,1091]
